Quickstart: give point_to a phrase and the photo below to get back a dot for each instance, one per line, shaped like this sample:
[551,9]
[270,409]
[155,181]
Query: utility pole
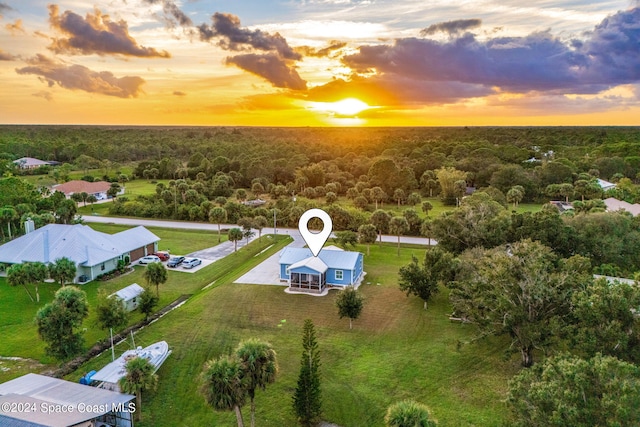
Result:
[275,230]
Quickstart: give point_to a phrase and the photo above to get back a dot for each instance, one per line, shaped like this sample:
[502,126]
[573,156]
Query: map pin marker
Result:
[315,241]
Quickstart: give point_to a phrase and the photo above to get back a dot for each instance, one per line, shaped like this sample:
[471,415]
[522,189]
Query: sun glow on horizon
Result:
[348,107]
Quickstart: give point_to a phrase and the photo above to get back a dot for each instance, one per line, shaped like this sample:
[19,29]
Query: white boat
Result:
[109,376]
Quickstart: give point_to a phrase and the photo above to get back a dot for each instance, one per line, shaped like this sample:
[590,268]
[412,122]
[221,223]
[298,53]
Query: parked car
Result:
[164,256]
[148,259]
[191,262]
[175,261]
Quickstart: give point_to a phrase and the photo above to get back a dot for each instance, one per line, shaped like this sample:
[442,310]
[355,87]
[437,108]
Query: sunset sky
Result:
[320,62]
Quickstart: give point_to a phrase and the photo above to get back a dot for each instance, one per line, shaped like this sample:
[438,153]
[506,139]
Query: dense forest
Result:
[524,273]
[355,174]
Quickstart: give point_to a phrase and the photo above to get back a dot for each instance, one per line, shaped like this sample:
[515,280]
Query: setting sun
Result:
[348,107]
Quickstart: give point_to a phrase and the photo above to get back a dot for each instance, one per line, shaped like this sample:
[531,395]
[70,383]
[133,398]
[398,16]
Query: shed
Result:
[129,296]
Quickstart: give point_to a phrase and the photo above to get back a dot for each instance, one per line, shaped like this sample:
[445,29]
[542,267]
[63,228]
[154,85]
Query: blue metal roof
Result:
[337,259]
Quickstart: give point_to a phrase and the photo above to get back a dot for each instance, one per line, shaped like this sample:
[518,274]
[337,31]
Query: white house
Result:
[606,185]
[129,296]
[93,252]
[30,163]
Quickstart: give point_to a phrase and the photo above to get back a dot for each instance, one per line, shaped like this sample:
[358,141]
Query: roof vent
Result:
[29,226]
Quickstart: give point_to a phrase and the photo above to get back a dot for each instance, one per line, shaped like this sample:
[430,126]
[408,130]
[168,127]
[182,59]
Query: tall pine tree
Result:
[307,401]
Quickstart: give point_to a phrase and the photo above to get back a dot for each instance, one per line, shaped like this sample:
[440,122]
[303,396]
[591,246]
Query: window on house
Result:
[102,267]
[339,274]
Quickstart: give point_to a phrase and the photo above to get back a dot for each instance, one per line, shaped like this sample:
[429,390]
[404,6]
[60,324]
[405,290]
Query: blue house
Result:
[332,267]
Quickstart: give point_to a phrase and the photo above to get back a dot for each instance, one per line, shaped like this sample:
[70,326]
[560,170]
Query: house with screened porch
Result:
[333,267]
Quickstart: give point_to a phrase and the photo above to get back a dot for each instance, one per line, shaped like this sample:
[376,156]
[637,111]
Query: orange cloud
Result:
[82,78]
[15,28]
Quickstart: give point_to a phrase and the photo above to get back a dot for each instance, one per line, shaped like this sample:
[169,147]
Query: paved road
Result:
[214,227]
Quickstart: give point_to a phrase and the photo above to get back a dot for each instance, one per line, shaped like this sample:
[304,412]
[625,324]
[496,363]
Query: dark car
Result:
[175,261]
[163,255]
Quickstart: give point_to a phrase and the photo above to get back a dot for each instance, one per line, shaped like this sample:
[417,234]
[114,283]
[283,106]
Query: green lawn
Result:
[178,241]
[19,335]
[142,187]
[395,351]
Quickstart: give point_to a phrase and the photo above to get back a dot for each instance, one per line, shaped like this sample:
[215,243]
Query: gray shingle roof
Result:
[80,243]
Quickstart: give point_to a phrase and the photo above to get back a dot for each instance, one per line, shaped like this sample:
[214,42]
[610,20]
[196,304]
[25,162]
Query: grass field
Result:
[19,335]
[179,242]
[395,351]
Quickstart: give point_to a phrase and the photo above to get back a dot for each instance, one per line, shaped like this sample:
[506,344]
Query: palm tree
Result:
[7,215]
[17,276]
[63,270]
[223,385]
[398,225]
[367,234]
[92,199]
[140,377]
[156,274]
[235,234]
[218,215]
[260,366]
[260,222]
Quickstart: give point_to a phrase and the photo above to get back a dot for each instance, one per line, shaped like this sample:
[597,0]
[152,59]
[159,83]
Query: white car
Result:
[191,262]
[148,259]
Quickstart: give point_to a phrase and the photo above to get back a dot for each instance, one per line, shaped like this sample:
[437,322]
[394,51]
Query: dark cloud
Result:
[95,34]
[537,62]
[271,67]
[227,28]
[5,8]
[612,52]
[173,15]
[451,27]
[78,77]
[277,65]
[393,90]
[326,51]
[179,93]
[4,56]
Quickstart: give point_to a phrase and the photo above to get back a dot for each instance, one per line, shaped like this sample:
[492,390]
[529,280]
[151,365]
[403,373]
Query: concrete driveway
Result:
[268,271]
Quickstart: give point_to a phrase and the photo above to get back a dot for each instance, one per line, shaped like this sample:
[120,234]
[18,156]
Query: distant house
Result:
[606,185]
[94,253]
[562,206]
[612,280]
[31,163]
[98,188]
[52,402]
[332,267]
[254,202]
[129,296]
[614,205]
